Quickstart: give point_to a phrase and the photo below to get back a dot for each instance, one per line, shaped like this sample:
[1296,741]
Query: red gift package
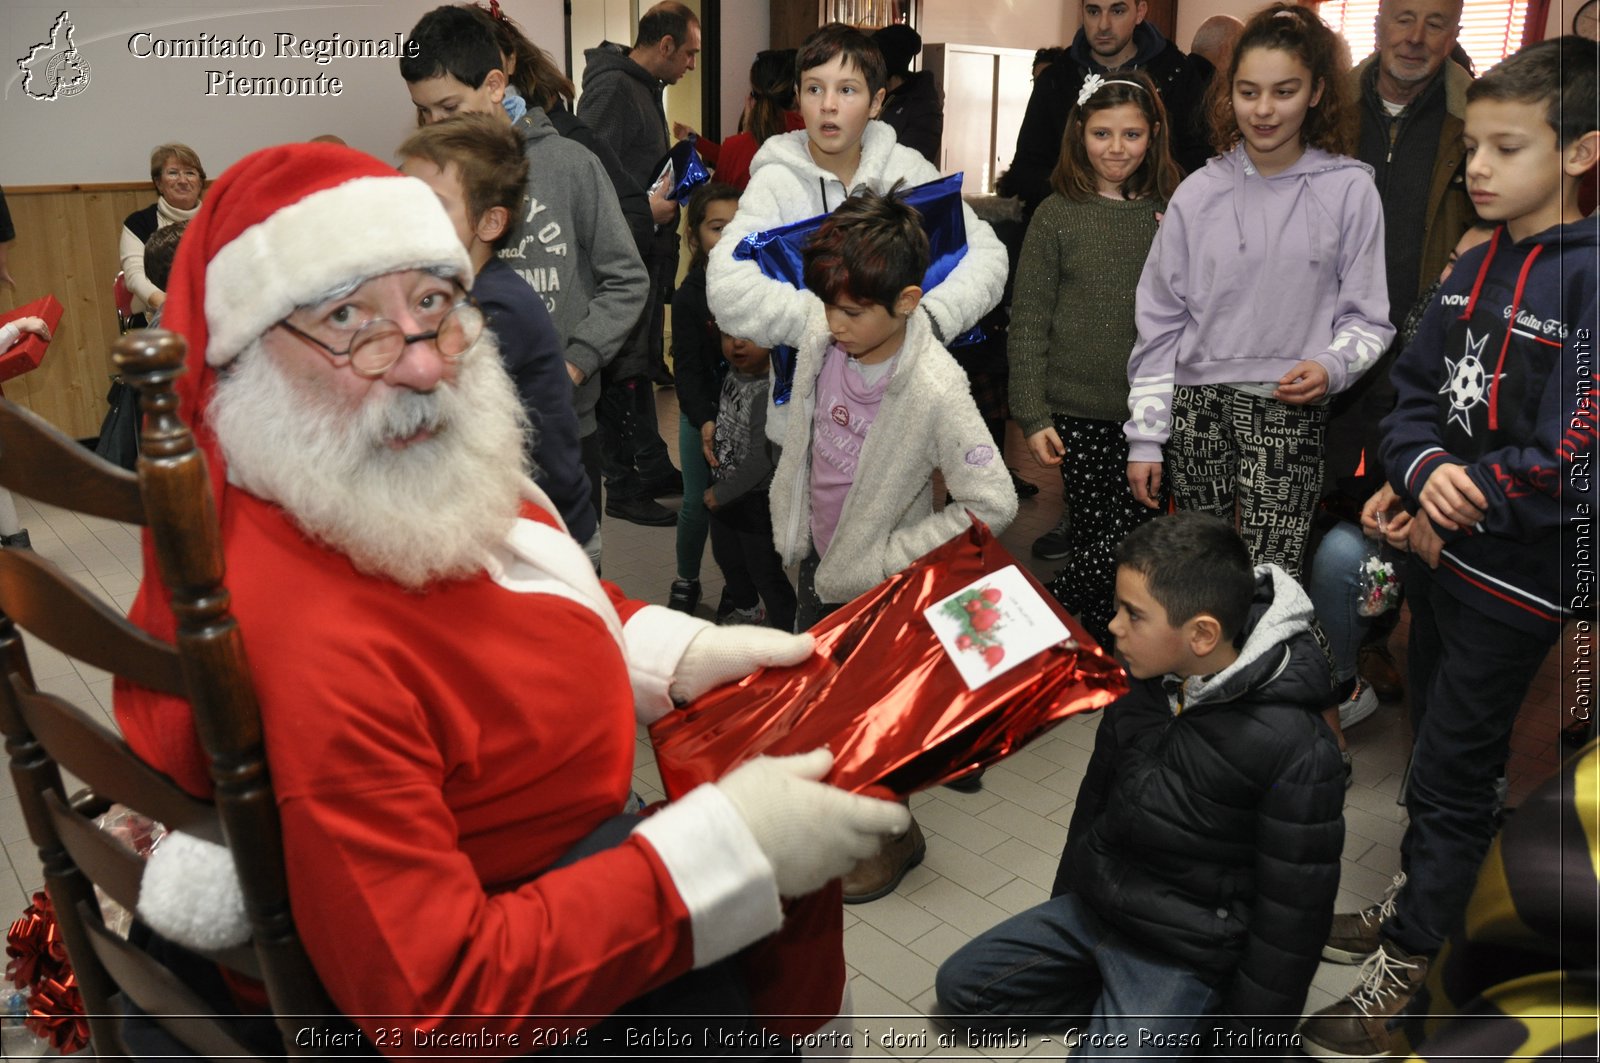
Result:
[948,666]
[28,352]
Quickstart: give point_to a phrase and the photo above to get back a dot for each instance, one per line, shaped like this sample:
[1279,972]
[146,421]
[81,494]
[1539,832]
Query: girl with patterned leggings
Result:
[1072,322]
[1263,295]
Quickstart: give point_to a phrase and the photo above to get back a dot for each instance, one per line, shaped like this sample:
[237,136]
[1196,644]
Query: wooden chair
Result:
[45,735]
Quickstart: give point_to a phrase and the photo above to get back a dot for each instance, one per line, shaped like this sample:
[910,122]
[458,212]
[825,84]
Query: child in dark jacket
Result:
[741,516]
[1490,449]
[475,164]
[1203,856]
[697,369]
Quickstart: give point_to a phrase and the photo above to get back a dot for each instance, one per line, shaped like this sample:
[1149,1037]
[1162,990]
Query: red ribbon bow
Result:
[39,962]
[55,1012]
[34,944]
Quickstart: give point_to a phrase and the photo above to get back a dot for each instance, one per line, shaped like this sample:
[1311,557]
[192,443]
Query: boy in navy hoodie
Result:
[1490,448]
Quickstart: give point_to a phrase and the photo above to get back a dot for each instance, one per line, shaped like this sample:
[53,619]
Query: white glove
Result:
[811,832]
[722,654]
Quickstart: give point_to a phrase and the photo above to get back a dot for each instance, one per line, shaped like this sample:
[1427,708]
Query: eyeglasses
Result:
[378,344]
[193,175]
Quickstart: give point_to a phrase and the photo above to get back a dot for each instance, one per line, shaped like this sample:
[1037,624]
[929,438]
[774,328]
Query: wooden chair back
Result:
[46,736]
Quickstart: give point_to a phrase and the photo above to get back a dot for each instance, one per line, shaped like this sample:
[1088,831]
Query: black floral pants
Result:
[1094,488]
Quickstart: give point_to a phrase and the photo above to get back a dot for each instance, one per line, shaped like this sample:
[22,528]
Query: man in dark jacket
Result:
[1114,37]
[622,103]
[1203,856]
[914,107]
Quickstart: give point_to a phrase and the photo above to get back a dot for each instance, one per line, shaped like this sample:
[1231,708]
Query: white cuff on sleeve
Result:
[654,639]
[725,880]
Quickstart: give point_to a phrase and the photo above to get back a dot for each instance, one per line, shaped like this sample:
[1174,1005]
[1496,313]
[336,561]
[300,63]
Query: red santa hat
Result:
[282,228]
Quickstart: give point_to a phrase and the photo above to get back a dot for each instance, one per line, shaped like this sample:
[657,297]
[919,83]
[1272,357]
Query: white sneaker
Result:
[756,614]
[1362,702]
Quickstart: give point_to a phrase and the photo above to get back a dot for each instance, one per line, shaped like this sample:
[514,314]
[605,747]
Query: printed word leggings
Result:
[1094,485]
[1230,449]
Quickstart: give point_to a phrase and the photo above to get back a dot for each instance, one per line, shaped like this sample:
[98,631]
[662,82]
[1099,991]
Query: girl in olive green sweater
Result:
[1072,325]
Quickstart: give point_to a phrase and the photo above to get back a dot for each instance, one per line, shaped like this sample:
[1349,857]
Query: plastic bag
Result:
[140,834]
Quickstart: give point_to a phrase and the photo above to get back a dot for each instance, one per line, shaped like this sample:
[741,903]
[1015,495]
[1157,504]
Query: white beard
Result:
[425,512]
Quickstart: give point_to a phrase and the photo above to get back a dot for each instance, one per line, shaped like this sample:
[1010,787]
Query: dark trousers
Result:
[751,568]
[809,607]
[589,454]
[632,452]
[1468,677]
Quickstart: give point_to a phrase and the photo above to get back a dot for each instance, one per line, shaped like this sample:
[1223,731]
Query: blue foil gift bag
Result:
[683,170]
[777,252]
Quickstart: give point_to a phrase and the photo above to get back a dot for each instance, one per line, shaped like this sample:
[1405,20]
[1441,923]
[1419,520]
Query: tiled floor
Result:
[990,854]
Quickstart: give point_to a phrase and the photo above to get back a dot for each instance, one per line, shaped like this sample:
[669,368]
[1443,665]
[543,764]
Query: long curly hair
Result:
[1330,124]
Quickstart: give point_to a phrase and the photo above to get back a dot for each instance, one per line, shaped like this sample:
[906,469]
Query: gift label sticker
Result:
[994,624]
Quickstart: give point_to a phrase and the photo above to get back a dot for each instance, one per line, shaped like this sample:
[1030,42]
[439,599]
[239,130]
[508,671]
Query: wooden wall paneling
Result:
[791,21]
[1163,15]
[67,245]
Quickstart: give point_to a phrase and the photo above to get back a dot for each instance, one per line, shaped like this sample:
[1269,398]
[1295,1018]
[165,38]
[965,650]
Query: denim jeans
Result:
[1469,675]
[1058,964]
[1335,587]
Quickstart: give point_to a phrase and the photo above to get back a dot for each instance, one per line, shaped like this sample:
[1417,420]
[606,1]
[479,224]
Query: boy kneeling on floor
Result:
[1202,859]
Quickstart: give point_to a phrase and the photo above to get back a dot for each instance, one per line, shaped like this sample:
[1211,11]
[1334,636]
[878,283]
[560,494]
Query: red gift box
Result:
[27,354]
[883,693]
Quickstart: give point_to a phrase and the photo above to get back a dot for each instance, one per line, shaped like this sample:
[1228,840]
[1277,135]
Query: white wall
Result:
[1028,24]
[131,104]
[746,30]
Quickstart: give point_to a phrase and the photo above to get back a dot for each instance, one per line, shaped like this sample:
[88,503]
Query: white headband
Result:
[1094,83]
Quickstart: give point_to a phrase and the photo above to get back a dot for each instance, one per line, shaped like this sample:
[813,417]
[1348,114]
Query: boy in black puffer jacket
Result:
[1203,856]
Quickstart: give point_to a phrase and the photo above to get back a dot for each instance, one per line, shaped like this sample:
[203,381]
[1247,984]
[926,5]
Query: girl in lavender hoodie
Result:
[1263,296]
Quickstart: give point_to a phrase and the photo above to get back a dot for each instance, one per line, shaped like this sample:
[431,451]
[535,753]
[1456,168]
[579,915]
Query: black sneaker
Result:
[1053,544]
[645,511]
[970,783]
[685,595]
[19,541]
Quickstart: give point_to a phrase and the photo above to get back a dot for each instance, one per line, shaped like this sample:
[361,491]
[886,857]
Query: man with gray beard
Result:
[448,694]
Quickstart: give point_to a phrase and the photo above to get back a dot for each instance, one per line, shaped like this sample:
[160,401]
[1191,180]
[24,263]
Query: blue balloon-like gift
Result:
[778,253]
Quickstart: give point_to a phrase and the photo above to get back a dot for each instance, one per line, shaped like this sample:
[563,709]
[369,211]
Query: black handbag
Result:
[119,432]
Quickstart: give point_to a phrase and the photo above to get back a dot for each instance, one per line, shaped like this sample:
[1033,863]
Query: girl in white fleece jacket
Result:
[800,175]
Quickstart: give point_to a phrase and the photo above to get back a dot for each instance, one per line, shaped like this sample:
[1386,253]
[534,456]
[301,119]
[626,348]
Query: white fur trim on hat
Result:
[363,228]
[190,894]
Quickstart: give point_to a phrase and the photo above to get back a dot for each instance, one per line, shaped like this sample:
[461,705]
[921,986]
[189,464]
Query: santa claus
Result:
[448,694]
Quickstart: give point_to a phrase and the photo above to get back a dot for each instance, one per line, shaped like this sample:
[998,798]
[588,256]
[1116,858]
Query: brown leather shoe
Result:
[877,876]
[1377,667]
[1358,1026]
